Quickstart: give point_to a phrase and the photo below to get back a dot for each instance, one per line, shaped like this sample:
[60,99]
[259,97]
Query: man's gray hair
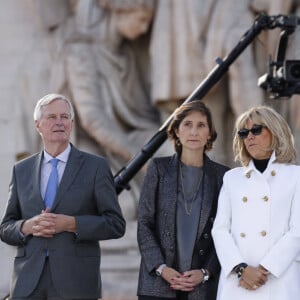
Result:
[37,114]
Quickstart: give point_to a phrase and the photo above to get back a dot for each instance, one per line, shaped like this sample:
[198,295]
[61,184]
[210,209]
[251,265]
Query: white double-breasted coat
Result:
[258,222]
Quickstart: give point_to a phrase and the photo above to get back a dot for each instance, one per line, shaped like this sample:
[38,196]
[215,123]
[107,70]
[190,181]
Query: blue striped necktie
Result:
[52,184]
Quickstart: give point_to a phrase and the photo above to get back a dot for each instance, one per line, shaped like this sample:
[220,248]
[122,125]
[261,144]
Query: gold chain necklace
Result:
[187,210]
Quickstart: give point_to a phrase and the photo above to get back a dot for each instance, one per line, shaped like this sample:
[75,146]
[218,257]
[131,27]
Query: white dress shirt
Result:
[46,167]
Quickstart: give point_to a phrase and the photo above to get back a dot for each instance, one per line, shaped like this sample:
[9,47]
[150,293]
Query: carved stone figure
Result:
[48,32]
[177,46]
[102,75]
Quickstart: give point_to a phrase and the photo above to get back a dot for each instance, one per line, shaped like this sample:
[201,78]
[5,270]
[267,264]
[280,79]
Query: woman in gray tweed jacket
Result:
[176,212]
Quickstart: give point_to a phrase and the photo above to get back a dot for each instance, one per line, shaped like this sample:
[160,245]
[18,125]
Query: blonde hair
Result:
[282,137]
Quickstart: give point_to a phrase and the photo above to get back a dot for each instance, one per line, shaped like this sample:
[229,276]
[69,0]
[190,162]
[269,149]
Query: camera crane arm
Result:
[262,22]
[283,77]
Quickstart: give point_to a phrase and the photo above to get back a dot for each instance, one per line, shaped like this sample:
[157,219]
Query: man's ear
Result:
[37,125]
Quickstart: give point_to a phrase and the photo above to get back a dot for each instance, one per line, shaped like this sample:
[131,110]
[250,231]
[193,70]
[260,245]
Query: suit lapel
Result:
[208,188]
[170,195]
[36,182]
[73,166]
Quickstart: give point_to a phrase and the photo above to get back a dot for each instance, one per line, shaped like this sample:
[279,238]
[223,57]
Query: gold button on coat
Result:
[266,198]
[242,234]
[273,173]
[245,199]
[263,233]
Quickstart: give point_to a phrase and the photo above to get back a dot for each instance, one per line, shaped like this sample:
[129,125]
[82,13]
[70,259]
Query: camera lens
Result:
[295,71]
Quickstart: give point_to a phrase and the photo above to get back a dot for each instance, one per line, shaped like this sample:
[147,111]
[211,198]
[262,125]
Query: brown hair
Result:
[181,112]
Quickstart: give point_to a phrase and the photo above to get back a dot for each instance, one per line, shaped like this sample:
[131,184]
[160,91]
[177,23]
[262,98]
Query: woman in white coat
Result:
[257,228]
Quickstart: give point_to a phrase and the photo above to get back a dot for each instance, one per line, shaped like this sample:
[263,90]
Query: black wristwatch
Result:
[239,269]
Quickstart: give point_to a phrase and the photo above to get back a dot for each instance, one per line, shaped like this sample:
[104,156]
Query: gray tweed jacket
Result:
[157,227]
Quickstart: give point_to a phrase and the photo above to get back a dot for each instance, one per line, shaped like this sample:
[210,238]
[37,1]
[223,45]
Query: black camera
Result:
[292,71]
[283,77]
[283,81]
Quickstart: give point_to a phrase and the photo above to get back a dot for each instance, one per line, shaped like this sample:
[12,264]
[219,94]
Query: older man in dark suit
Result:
[56,229]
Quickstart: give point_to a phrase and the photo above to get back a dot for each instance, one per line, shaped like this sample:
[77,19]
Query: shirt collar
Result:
[63,156]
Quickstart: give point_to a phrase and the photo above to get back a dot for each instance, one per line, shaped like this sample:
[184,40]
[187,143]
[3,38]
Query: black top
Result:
[261,164]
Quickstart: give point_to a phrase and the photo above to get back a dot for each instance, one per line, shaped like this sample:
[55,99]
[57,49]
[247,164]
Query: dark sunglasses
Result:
[255,130]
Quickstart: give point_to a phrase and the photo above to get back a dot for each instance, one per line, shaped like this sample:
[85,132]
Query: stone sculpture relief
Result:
[49,19]
[102,67]
[177,46]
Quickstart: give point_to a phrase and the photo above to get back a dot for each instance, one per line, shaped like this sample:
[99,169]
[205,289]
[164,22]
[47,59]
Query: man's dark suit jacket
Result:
[157,227]
[86,191]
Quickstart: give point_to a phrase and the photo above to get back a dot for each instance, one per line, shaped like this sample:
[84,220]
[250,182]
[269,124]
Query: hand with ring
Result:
[253,277]
[244,284]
